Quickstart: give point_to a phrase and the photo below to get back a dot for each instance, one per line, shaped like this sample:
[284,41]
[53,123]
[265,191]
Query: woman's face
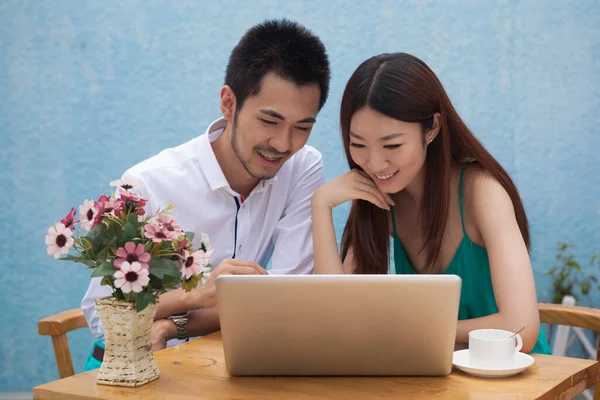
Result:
[391,151]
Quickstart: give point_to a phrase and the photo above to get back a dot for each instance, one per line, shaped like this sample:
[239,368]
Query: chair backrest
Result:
[574,316]
[57,326]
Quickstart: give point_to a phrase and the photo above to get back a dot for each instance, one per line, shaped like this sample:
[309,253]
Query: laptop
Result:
[343,325]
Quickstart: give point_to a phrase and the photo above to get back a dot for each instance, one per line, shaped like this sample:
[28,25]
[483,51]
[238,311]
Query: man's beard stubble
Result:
[238,153]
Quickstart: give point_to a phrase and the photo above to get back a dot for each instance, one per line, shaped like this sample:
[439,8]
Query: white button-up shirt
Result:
[272,224]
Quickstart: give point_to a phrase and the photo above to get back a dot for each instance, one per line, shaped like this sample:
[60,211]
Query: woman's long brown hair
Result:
[404,88]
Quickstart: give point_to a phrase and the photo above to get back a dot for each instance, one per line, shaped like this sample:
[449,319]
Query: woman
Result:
[419,175]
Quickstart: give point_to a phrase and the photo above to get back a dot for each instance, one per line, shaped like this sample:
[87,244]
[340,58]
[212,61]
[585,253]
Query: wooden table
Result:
[196,370]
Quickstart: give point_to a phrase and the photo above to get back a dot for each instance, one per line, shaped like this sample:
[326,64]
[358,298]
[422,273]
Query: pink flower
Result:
[132,253]
[172,226]
[194,263]
[106,205]
[59,240]
[69,220]
[132,203]
[156,232]
[131,277]
[182,245]
[88,212]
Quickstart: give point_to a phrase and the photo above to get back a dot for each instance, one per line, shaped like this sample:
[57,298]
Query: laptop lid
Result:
[338,324]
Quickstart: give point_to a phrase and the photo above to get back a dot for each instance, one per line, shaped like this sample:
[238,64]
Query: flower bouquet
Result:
[139,256]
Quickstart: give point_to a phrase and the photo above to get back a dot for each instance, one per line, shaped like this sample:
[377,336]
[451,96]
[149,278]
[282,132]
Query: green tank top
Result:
[471,264]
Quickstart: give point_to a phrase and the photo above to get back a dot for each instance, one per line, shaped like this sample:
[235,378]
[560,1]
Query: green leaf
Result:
[104,269]
[191,283]
[171,281]
[163,263]
[102,254]
[156,283]
[189,236]
[556,298]
[114,230]
[585,288]
[143,299]
[108,280]
[551,271]
[132,219]
[131,297]
[97,236]
[79,259]
[119,294]
[160,273]
[129,232]
[159,267]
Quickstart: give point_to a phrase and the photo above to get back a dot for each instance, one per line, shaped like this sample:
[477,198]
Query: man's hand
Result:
[162,330]
[228,267]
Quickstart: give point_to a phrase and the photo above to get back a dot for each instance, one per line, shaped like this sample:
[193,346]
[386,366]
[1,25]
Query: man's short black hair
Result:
[280,46]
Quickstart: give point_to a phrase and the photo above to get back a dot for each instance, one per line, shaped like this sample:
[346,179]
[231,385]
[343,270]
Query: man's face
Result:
[274,124]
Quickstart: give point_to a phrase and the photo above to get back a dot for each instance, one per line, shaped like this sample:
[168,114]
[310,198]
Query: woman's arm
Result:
[350,186]
[326,254]
[512,276]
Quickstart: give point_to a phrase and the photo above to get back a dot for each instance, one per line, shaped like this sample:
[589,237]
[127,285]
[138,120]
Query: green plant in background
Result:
[568,277]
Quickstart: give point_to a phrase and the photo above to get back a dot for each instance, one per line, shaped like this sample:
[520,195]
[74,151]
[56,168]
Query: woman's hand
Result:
[353,185]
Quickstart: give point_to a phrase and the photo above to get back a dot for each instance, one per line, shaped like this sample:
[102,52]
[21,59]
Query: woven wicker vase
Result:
[128,359]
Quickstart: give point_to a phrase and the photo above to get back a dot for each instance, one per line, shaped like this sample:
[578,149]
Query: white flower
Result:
[59,240]
[206,242]
[205,276]
[127,184]
[194,263]
[88,212]
[131,277]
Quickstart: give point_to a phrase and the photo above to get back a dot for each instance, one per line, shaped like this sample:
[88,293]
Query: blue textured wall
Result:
[88,88]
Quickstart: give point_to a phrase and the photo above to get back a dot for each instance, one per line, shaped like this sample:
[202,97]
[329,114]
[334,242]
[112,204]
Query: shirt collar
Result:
[210,166]
[208,161]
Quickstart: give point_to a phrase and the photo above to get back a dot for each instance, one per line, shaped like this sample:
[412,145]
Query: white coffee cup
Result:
[493,347]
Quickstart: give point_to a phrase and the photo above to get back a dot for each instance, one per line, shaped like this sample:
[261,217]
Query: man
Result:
[247,182]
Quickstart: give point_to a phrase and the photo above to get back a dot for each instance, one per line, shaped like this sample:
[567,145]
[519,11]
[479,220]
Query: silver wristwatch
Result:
[180,321]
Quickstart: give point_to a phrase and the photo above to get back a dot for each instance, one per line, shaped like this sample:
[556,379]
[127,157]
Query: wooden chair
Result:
[57,326]
[574,316]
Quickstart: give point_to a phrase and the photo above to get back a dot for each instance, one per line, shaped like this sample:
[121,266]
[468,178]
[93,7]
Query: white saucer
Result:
[462,360]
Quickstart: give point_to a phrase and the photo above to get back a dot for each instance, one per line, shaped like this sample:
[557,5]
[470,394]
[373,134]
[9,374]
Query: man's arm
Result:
[200,322]
[203,322]
[206,320]
[293,246]
[178,301]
